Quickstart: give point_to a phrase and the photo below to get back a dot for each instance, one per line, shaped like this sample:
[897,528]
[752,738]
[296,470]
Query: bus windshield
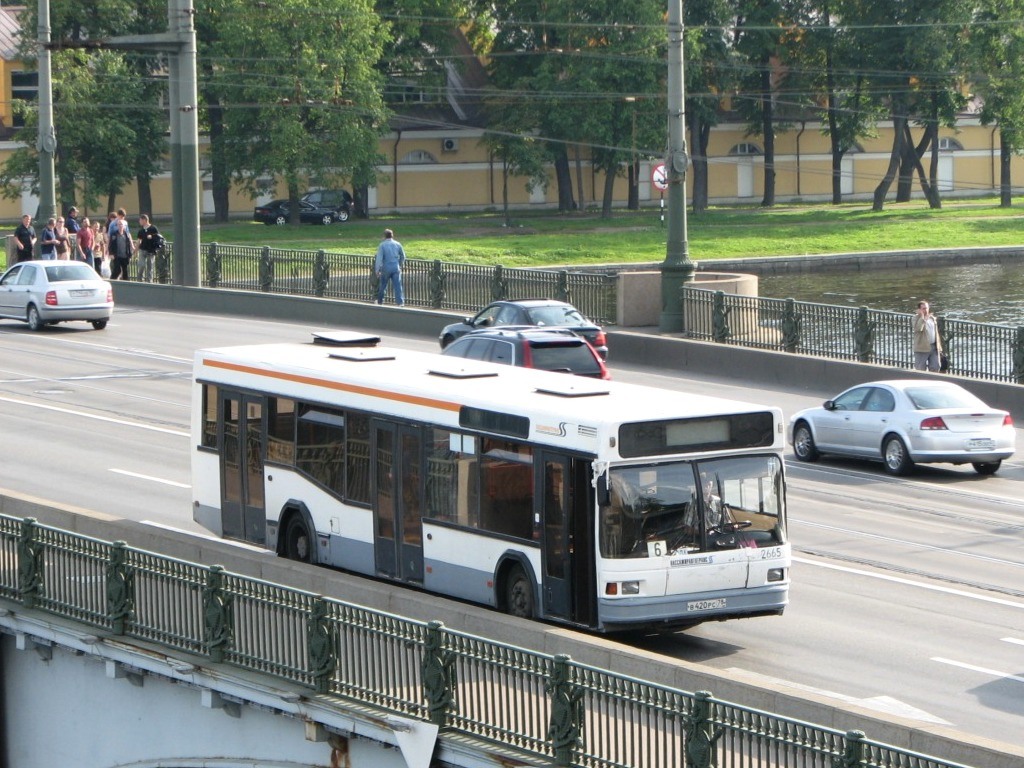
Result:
[693,506]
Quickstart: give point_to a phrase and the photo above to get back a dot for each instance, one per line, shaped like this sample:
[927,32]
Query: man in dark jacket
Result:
[149,243]
[120,248]
[25,238]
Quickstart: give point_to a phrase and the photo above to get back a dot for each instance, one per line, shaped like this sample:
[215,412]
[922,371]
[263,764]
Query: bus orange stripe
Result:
[327,384]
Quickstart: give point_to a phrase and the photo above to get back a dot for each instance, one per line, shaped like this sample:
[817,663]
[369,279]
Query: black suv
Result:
[337,200]
[548,349]
[546,313]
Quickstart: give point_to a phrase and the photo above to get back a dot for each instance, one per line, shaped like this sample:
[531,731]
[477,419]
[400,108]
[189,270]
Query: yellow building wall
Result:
[455,171]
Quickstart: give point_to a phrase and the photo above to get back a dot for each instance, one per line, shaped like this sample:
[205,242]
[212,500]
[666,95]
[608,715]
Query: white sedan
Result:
[904,422]
[55,291]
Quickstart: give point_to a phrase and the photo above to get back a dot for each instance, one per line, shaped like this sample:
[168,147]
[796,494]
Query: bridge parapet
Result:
[346,668]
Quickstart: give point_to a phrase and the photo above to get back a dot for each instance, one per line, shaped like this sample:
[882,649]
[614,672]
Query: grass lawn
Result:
[544,238]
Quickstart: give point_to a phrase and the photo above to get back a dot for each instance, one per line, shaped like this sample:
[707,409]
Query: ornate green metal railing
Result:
[976,350]
[548,707]
[435,284]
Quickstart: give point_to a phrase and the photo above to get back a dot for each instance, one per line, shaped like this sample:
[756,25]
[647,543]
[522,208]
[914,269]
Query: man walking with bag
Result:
[388,268]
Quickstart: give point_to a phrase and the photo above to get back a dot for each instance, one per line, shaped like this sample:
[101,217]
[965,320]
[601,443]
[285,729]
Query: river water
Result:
[983,293]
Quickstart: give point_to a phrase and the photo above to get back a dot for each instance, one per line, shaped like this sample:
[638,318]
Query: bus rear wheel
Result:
[298,545]
[519,594]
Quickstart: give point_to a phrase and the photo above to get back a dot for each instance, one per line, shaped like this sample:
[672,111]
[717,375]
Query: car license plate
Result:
[81,292]
[705,605]
[980,444]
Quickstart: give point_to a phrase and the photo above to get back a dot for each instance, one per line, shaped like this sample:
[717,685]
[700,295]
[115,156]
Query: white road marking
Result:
[108,419]
[917,545]
[1015,640]
[911,583]
[208,536]
[885,704]
[150,477]
[983,670]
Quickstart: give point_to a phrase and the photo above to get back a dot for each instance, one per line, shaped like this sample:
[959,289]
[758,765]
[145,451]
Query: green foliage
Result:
[302,98]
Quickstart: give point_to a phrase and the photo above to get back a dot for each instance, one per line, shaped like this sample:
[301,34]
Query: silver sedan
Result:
[54,291]
[903,422]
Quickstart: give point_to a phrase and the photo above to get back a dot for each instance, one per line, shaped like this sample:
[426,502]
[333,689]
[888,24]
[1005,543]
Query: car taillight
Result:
[51,298]
[1007,420]
[933,422]
[599,340]
[527,356]
[110,295]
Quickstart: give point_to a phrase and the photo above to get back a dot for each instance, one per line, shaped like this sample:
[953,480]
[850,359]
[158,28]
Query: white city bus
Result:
[594,503]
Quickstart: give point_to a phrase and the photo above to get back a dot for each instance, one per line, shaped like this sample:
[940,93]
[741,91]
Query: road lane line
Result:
[108,419]
[910,583]
[150,477]
[983,670]
[209,537]
[914,544]
[1014,640]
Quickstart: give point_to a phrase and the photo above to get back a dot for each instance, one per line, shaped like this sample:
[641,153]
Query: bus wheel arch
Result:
[296,539]
[516,586]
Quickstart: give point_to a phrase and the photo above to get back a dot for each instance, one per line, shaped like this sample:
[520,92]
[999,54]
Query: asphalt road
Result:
[907,595]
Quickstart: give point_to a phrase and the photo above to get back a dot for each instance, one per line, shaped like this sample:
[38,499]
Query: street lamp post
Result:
[46,143]
[677,267]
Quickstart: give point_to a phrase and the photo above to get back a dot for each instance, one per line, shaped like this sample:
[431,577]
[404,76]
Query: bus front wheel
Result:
[298,544]
[519,593]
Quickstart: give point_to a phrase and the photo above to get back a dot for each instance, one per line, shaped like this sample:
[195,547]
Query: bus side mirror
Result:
[603,497]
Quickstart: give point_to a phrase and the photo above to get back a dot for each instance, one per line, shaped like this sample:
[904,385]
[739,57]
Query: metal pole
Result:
[185,145]
[46,143]
[677,267]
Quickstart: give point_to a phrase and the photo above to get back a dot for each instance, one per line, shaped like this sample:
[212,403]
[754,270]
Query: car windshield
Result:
[658,509]
[556,315]
[62,273]
[929,398]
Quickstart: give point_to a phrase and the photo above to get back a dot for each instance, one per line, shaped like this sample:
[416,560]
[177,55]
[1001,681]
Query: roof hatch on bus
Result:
[462,370]
[572,388]
[345,338]
[363,355]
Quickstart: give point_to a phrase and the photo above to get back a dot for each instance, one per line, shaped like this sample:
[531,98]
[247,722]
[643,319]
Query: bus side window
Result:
[357,458]
[209,435]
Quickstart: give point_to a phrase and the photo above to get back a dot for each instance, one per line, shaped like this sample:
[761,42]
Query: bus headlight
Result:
[623,588]
[776,574]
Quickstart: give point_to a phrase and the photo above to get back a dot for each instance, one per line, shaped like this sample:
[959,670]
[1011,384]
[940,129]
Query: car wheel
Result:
[280,220]
[446,340]
[987,467]
[35,322]
[99,325]
[519,594]
[327,220]
[298,544]
[342,215]
[896,457]
[803,443]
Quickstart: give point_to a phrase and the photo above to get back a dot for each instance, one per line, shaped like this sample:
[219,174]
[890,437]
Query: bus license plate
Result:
[980,443]
[705,605]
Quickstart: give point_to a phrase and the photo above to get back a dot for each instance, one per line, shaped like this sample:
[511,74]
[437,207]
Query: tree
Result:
[708,74]
[573,65]
[913,48]
[107,119]
[997,73]
[300,98]
[758,40]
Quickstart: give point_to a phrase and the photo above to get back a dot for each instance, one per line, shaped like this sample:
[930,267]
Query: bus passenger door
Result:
[243,507]
[563,495]
[398,502]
